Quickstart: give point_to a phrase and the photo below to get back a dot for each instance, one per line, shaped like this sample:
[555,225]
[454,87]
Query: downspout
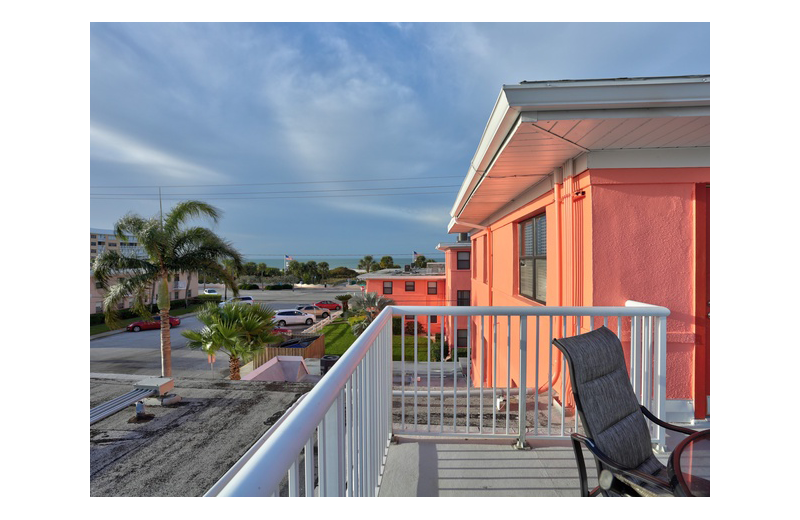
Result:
[490,254]
[476,226]
[558,183]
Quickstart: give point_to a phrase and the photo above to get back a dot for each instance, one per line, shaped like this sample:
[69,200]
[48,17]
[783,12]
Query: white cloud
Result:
[437,217]
[109,145]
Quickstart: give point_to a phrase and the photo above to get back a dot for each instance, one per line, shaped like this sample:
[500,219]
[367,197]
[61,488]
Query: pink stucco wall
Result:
[632,235]
[419,296]
[645,249]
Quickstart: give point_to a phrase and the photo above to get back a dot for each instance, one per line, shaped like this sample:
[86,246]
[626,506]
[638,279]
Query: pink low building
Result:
[446,283]
[597,193]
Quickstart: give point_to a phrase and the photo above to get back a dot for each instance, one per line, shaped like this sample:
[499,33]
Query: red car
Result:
[136,326]
[328,304]
[282,331]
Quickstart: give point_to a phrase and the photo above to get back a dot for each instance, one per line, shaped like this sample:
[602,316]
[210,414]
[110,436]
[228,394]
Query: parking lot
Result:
[139,353]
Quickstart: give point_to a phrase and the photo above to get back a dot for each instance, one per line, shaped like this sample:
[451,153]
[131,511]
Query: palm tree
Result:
[387,262]
[371,304]
[171,248]
[421,261]
[238,330]
[344,298]
[366,263]
[324,269]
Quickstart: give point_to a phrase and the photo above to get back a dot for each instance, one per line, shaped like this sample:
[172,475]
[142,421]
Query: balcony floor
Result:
[483,468]
[478,468]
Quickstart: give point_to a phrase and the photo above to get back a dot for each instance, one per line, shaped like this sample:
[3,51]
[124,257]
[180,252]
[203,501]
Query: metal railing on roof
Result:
[335,442]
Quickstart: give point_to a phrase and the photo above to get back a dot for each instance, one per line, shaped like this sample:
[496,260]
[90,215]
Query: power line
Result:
[282,182]
[155,197]
[302,191]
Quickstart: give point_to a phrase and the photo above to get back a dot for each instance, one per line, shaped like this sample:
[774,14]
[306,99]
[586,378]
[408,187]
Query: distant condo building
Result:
[101,240]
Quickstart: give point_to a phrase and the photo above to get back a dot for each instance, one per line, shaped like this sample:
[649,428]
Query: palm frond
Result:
[186,210]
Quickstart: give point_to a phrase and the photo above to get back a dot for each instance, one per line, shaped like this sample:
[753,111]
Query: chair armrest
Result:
[615,467]
[666,425]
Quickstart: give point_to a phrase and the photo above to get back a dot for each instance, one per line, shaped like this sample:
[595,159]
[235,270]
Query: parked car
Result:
[155,323]
[238,299]
[210,291]
[285,317]
[330,305]
[283,332]
[313,309]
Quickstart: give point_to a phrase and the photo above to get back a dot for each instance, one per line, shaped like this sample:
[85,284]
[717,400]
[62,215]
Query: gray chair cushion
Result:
[608,407]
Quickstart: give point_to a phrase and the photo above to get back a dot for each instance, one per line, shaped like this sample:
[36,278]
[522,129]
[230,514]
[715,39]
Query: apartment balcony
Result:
[491,419]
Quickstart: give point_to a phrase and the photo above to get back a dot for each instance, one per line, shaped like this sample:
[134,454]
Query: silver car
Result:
[285,317]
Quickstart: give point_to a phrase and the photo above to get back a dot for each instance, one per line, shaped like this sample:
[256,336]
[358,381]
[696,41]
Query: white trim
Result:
[682,94]
[679,411]
[648,158]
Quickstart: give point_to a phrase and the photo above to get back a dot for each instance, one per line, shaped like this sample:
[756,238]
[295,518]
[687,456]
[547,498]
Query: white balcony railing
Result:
[507,382]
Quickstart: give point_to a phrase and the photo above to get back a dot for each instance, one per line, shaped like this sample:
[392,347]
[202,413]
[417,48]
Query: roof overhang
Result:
[537,127]
[454,245]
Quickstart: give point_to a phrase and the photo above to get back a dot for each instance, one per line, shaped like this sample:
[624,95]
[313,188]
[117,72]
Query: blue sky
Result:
[257,119]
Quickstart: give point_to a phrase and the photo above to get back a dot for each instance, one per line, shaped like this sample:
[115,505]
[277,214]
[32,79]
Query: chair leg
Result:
[576,447]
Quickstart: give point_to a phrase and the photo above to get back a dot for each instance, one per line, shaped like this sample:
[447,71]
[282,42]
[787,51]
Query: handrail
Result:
[280,451]
[636,309]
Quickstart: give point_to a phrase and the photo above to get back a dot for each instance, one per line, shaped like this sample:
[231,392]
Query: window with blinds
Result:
[533,258]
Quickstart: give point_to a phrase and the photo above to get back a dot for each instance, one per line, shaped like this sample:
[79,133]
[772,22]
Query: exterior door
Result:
[702,361]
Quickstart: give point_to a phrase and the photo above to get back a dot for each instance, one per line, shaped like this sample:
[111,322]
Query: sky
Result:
[329,138]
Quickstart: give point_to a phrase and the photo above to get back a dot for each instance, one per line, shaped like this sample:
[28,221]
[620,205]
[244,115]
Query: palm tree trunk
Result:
[186,292]
[166,343]
[233,363]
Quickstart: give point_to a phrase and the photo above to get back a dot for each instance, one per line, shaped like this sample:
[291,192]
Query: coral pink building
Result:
[446,283]
[594,193]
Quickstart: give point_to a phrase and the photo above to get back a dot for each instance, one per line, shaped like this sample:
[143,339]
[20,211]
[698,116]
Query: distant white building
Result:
[101,240]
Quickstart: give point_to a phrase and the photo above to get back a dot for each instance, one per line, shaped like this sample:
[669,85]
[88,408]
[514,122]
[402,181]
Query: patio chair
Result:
[616,432]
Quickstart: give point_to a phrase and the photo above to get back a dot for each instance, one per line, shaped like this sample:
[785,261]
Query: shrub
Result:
[279,287]
[410,327]
[204,298]
[397,325]
[358,318]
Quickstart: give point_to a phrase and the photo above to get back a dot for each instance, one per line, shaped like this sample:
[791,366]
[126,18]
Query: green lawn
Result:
[338,338]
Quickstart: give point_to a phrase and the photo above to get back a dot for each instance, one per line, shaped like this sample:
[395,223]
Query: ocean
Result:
[334,261]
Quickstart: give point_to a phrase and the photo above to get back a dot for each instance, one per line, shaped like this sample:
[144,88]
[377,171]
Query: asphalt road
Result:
[139,353]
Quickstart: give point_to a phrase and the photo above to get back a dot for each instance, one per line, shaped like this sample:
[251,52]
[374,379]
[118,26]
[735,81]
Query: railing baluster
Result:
[441,374]
[309,463]
[523,381]
[469,365]
[494,375]
[536,382]
[508,375]
[429,376]
[482,353]
[416,376]
[454,355]
[403,378]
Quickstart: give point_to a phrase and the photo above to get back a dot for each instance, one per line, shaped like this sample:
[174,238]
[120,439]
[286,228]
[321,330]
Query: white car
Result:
[238,299]
[285,317]
[210,291]
[313,309]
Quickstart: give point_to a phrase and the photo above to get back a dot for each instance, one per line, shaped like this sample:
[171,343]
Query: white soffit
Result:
[537,127]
